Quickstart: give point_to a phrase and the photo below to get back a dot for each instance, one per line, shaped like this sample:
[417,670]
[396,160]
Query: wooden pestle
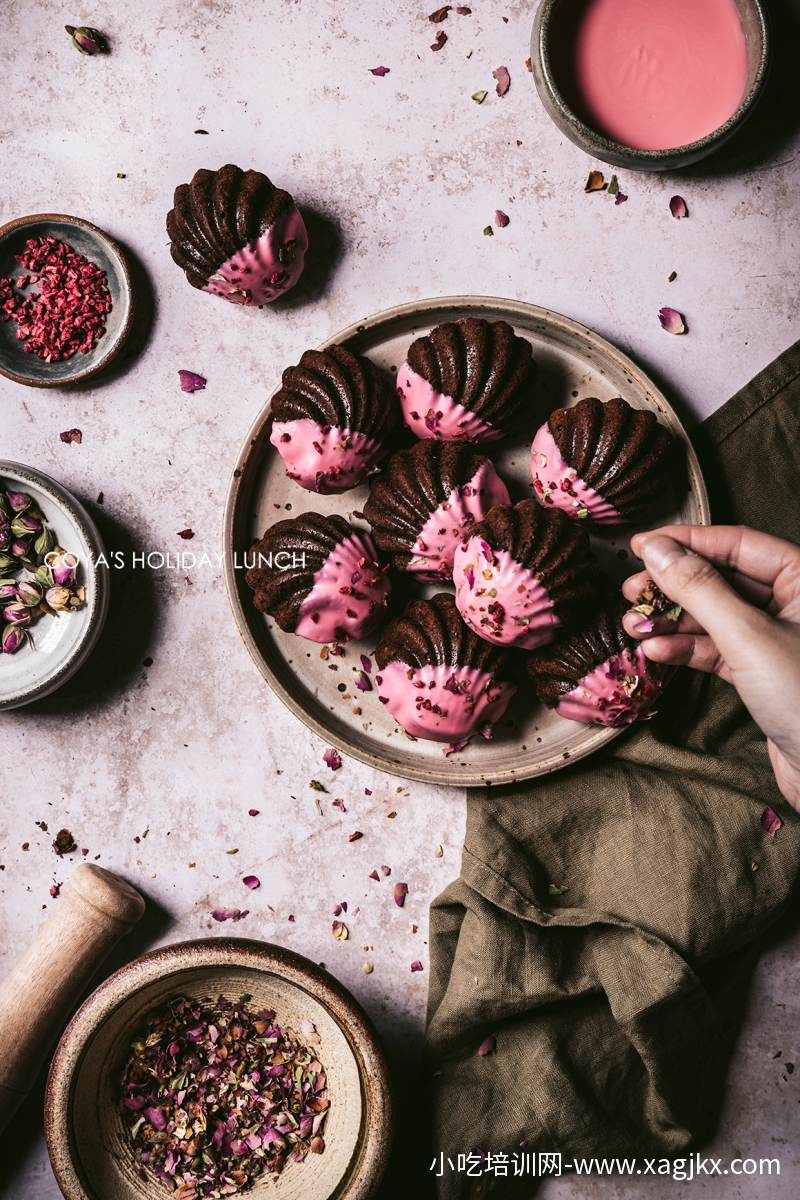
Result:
[38,995]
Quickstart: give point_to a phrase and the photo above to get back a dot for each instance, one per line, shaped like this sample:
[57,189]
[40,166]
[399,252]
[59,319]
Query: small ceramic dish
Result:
[757,32]
[100,249]
[89,1149]
[60,644]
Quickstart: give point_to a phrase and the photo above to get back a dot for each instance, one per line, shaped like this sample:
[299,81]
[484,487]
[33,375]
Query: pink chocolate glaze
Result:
[617,692]
[441,534]
[556,483]
[324,458]
[255,274]
[349,594]
[502,601]
[442,704]
[429,414]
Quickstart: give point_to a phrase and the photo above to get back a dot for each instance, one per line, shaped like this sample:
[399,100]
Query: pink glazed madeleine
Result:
[319,577]
[237,236]
[604,463]
[524,575]
[333,419]
[437,679]
[427,500]
[599,675]
[466,381]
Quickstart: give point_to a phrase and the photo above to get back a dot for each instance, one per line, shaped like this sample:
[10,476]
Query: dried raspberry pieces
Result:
[68,312]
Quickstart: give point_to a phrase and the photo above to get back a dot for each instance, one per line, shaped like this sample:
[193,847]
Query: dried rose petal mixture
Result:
[68,313]
[214,1095]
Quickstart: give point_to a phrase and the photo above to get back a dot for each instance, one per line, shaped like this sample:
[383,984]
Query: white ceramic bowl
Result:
[60,644]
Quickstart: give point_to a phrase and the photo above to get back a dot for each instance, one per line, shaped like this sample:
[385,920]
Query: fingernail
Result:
[643,626]
[660,551]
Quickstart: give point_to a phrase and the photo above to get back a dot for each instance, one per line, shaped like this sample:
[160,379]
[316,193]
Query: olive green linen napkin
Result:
[603,1030]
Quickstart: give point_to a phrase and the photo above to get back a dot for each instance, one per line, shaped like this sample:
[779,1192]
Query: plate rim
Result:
[116,252]
[426,307]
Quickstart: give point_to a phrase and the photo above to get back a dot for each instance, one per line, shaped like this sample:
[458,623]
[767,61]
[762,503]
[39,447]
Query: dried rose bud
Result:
[7,561]
[19,548]
[11,638]
[58,598]
[63,568]
[30,593]
[17,613]
[19,501]
[44,543]
[5,534]
[88,41]
[8,591]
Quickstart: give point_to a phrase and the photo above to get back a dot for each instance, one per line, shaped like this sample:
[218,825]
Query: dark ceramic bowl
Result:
[756,27]
[99,248]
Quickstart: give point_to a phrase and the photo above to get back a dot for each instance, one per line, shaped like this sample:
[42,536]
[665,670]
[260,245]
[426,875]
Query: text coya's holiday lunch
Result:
[187,560]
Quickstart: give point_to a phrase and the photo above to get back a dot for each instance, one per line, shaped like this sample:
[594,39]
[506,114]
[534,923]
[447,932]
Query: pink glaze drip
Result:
[429,414]
[255,274]
[557,484]
[349,594]
[324,458]
[617,692]
[502,601]
[651,74]
[441,534]
[442,704]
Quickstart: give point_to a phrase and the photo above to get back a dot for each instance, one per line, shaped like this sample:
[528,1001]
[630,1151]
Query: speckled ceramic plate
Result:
[530,740]
[84,238]
[58,645]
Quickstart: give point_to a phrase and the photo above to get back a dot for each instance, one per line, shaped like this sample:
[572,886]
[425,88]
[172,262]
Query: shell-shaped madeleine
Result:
[338,388]
[432,633]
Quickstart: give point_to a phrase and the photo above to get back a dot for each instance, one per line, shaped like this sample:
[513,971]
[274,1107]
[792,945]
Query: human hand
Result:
[740,595]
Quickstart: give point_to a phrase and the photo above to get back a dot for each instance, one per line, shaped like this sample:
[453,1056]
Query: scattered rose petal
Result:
[252,812]
[355,835]
[71,435]
[367,791]
[463,11]
[186,534]
[487,1047]
[251,881]
[438,852]
[356,911]
[374,875]
[441,38]
[440,14]
[344,906]
[595,182]
[380,71]
[362,682]
[454,747]
[390,816]
[677,206]
[770,822]
[529,66]
[500,219]
[54,889]
[339,803]
[229,914]
[191,382]
[479,97]
[416,965]
[336,910]
[555,890]
[290,917]
[620,198]
[503,80]
[309,1032]
[487,731]
[339,930]
[400,893]
[366,663]
[85,851]
[332,759]
[671,320]
[386,870]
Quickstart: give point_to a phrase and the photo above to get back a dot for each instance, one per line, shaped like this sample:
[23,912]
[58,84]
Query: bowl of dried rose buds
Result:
[53,585]
[214,1067]
[66,300]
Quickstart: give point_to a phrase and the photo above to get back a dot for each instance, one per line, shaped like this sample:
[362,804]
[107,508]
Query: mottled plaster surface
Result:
[399,176]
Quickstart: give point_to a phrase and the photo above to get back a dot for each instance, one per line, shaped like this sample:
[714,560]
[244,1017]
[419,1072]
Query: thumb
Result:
[698,587]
